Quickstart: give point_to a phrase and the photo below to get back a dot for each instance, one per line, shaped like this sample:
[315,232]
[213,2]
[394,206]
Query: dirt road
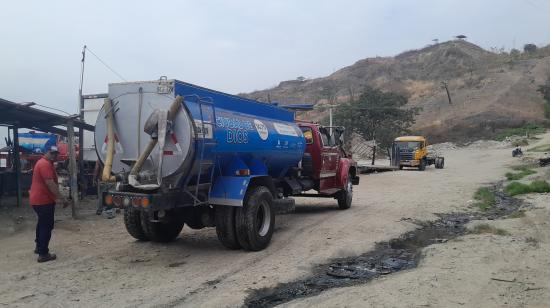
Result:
[100,265]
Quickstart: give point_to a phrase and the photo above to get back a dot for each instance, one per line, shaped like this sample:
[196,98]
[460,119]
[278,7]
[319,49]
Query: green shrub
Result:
[527,129]
[516,188]
[540,186]
[485,198]
[523,172]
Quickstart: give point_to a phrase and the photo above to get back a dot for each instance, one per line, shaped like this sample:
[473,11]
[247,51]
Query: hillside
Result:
[490,91]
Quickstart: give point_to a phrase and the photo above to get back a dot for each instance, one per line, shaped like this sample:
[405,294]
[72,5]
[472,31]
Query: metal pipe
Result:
[139,129]
[106,175]
[143,157]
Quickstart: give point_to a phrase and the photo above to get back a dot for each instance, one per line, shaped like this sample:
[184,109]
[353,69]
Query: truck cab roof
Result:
[410,138]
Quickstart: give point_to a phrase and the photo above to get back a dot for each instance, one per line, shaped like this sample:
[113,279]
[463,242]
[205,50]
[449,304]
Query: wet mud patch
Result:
[387,257]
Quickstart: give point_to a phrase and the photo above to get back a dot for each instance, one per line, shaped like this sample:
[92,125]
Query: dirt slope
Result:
[489,90]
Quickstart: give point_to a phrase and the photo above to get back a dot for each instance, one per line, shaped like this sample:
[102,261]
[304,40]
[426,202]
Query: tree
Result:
[376,115]
[545,91]
[530,48]
[515,53]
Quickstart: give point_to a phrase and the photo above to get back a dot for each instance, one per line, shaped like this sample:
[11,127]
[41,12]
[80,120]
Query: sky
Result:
[233,46]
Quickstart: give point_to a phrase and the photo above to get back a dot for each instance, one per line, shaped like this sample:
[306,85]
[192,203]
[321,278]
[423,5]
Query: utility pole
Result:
[72,167]
[330,120]
[81,115]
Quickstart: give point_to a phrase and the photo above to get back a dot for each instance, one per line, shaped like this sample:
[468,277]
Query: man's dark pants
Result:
[44,226]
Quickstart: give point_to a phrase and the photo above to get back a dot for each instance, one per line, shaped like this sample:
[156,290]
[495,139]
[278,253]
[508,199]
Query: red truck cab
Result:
[325,161]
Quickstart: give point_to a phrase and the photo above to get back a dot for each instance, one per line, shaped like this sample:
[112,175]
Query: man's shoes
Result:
[46,258]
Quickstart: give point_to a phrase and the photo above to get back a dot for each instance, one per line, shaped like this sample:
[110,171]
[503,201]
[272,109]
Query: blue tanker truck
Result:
[178,154]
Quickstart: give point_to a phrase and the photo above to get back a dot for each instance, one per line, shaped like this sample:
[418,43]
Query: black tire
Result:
[255,220]
[225,226]
[400,167]
[192,218]
[439,163]
[345,196]
[422,165]
[164,231]
[132,221]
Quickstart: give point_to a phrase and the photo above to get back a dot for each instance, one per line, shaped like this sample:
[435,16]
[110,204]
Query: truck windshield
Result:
[410,145]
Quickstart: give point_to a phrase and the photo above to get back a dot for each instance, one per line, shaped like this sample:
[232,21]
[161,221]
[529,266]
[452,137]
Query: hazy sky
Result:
[233,46]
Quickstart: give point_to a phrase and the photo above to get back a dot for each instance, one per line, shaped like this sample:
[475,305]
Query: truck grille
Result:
[406,155]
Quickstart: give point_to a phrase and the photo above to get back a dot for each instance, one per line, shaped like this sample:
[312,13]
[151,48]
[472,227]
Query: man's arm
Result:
[52,187]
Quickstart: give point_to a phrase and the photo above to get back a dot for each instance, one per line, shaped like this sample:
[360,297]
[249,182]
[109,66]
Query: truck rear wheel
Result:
[162,231]
[255,220]
[225,226]
[132,221]
[439,163]
[345,196]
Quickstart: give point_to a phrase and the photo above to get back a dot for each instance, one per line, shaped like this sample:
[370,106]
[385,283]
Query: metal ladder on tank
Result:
[201,162]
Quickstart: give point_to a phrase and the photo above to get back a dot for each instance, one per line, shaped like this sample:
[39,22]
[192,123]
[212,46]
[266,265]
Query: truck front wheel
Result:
[345,196]
[132,221]
[255,220]
[422,165]
[162,231]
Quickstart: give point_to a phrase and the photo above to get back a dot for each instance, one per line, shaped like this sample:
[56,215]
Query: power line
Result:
[106,65]
[52,108]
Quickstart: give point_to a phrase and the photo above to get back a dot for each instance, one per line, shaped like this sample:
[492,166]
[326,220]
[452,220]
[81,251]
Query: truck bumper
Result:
[139,201]
[409,163]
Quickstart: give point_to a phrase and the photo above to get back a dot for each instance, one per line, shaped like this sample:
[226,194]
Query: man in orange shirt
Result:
[43,196]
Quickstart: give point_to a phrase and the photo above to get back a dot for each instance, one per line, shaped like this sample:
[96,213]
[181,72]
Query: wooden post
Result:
[17,164]
[373,153]
[72,167]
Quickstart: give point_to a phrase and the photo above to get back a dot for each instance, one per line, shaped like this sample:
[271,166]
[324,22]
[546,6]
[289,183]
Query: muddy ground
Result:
[99,264]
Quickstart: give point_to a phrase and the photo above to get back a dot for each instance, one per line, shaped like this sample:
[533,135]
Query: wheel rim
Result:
[264,219]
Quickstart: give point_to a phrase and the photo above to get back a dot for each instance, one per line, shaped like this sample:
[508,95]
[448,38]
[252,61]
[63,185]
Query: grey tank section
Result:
[133,104]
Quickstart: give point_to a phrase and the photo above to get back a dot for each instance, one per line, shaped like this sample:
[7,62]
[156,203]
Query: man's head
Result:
[52,152]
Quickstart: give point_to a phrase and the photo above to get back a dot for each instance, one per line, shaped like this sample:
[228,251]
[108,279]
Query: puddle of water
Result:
[388,257]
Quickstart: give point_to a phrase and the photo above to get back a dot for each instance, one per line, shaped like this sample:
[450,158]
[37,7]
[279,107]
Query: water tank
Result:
[212,127]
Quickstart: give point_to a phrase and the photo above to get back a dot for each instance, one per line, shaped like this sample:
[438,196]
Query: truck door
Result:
[330,157]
